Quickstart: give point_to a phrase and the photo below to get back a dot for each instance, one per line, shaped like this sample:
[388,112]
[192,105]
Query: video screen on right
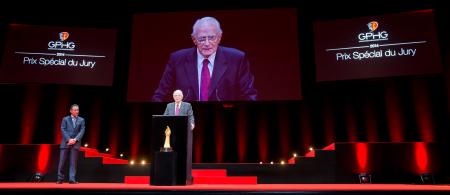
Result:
[379,46]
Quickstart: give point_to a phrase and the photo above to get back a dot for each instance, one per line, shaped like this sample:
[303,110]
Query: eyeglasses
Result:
[202,39]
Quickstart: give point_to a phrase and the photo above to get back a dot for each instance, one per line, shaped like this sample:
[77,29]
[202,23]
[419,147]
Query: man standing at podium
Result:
[178,107]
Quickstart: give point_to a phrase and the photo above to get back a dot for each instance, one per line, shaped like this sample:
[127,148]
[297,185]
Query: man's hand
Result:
[192,126]
[72,142]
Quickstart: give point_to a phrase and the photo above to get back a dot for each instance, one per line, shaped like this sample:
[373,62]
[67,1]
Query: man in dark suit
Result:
[180,108]
[207,72]
[72,128]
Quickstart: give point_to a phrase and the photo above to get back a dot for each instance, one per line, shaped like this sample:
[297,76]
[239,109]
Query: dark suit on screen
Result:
[69,131]
[185,110]
[231,79]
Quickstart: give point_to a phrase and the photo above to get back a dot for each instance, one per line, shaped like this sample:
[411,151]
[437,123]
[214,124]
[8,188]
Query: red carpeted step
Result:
[209,172]
[95,153]
[109,160]
[292,160]
[137,179]
[105,155]
[311,153]
[88,154]
[329,147]
[106,158]
[88,149]
[226,180]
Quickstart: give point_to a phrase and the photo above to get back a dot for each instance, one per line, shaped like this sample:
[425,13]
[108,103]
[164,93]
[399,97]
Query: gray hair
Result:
[74,105]
[204,21]
[178,91]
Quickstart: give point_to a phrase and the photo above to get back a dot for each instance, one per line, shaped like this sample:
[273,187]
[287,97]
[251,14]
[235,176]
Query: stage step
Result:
[312,153]
[109,160]
[200,180]
[209,173]
[330,147]
[94,153]
[226,180]
[106,158]
[137,180]
[203,176]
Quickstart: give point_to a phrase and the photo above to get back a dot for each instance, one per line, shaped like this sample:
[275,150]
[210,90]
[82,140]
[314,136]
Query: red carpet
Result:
[311,154]
[258,187]
[209,173]
[330,147]
[106,158]
[226,180]
[203,176]
[137,179]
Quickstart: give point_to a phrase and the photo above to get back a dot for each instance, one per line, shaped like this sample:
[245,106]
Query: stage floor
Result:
[207,187]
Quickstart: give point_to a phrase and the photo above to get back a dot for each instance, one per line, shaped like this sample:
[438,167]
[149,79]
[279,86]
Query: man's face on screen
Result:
[207,39]
[177,96]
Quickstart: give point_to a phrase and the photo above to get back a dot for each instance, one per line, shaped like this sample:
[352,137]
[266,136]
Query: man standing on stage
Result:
[72,128]
[184,109]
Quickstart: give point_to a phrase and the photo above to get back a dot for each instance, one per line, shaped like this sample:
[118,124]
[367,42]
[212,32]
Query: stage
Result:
[333,169]
[114,188]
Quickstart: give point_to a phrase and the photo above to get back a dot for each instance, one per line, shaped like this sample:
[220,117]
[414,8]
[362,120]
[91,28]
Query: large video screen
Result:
[256,57]
[379,46]
[58,55]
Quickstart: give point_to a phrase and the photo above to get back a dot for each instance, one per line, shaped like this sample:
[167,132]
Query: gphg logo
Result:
[373,36]
[61,44]
[372,26]
[63,36]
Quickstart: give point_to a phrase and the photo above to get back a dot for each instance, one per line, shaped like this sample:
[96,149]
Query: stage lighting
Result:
[143,162]
[365,178]
[294,155]
[107,150]
[132,162]
[121,155]
[427,178]
[311,148]
[260,163]
[282,162]
[37,177]
[86,145]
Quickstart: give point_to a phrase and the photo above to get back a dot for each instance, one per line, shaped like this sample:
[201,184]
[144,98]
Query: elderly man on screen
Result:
[207,72]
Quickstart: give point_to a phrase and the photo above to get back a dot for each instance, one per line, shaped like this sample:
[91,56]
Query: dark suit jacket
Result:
[70,132]
[185,110]
[231,79]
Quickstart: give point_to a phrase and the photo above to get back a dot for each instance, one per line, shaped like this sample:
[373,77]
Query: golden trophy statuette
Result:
[167,147]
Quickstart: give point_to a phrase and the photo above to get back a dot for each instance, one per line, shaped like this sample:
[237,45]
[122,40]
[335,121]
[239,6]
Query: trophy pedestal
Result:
[165,149]
[164,171]
[169,132]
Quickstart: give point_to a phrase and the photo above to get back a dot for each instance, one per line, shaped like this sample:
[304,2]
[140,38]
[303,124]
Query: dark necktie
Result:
[205,79]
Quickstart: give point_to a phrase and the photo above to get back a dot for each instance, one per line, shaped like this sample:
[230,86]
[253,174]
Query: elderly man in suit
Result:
[207,72]
[72,128]
[178,107]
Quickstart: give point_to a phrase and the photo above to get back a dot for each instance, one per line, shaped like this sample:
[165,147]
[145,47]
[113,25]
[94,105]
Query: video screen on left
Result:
[58,55]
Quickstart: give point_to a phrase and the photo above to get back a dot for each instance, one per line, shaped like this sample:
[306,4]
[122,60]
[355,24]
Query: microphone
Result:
[217,95]
[187,95]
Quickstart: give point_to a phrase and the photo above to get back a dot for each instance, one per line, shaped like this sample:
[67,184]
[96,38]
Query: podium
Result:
[169,168]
